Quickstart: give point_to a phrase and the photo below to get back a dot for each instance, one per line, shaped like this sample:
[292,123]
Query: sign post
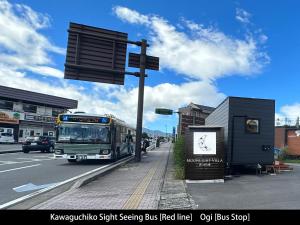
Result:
[139,121]
[99,55]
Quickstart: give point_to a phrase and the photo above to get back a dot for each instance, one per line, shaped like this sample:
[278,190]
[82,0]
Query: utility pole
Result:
[139,122]
[166,130]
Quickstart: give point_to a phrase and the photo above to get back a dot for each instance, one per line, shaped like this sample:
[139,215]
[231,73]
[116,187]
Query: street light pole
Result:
[166,130]
[139,122]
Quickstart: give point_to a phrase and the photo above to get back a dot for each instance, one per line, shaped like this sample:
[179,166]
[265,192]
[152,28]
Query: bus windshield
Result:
[84,133]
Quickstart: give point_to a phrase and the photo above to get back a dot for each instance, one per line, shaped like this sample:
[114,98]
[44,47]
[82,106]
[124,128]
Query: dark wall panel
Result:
[247,147]
[241,147]
[220,117]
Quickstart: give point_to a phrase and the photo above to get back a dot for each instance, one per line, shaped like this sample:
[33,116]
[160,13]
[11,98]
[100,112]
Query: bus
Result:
[82,136]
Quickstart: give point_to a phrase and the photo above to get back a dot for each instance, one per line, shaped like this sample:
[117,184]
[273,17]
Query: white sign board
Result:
[205,143]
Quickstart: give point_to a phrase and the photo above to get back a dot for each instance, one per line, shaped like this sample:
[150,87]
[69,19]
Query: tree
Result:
[145,135]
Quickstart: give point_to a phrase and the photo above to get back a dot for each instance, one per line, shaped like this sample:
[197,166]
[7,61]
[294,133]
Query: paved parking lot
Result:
[281,191]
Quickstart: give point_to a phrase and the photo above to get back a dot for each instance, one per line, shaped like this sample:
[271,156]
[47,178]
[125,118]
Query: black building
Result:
[248,130]
[27,113]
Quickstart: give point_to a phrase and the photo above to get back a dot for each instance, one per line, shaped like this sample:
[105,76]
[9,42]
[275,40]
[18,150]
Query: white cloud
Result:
[199,52]
[242,15]
[22,47]
[288,114]
[131,16]
[263,38]
[125,104]
[291,111]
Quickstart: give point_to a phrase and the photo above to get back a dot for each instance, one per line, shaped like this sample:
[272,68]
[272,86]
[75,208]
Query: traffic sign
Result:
[95,54]
[163,111]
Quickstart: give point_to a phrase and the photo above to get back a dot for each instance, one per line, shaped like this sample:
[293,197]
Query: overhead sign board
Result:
[152,63]
[163,111]
[95,54]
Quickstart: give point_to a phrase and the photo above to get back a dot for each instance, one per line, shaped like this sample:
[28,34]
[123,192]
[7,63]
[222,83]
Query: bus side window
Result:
[123,134]
[118,135]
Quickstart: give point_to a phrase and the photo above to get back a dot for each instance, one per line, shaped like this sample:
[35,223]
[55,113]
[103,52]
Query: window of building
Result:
[6,105]
[29,108]
[252,126]
[21,133]
[56,112]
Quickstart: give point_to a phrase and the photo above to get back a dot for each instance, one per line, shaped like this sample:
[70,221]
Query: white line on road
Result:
[8,162]
[19,168]
[36,159]
[12,162]
[43,156]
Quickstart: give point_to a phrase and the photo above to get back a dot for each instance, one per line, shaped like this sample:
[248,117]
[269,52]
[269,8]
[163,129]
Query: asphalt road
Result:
[22,174]
[279,191]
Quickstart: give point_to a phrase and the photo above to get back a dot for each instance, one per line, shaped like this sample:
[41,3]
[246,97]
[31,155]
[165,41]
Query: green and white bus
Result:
[82,136]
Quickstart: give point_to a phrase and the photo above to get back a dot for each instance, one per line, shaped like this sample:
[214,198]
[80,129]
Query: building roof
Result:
[243,98]
[37,98]
[201,107]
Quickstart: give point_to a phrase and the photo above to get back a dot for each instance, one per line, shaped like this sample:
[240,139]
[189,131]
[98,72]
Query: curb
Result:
[35,198]
[10,151]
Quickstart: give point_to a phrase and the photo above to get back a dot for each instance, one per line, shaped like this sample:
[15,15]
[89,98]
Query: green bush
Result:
[284,155]
[179,158]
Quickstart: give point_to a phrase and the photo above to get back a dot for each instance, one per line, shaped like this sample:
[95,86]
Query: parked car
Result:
[7,138]
[40,143]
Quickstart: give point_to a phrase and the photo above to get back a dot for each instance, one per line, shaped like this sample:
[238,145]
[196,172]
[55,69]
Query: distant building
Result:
[25,113]
[193,114]
[288,136]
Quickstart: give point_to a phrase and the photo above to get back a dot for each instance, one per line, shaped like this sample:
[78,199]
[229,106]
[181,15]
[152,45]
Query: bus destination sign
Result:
[84,119]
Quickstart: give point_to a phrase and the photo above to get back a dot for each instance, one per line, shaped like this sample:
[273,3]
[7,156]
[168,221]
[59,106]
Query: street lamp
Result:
[166,130]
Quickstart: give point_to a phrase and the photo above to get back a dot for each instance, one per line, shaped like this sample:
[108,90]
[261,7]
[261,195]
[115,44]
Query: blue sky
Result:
[208,50]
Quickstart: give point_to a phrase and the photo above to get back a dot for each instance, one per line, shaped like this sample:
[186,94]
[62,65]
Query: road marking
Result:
[43,156]
[31,187]
[19,168]
[30,161]
[8,162]
[33,194]
[36,159]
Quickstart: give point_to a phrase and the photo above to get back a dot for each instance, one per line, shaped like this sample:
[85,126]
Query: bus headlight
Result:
[104,152]
[59,151]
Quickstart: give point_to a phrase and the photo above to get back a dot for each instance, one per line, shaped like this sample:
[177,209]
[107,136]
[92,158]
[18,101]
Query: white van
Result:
[6,138]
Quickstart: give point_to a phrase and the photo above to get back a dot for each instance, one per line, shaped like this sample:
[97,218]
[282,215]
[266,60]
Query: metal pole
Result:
[139,121]
[166,130]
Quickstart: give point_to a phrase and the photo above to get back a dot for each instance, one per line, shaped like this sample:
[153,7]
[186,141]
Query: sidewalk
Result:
[10,148]
[173,194]
[132,186]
